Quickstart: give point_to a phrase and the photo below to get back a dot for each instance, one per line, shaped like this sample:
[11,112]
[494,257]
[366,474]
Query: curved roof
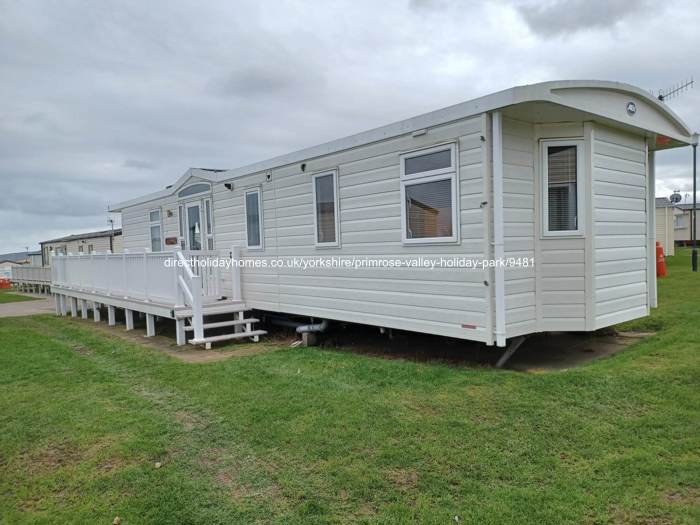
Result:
[598,98]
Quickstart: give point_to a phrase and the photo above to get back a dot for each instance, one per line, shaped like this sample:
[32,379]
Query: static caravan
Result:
[548,190]
[667,219]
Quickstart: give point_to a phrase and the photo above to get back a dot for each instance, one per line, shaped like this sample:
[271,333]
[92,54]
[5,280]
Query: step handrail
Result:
[190,288]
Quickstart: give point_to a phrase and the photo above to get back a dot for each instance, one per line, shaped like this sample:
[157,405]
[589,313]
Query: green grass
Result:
[305,436]
[9,297]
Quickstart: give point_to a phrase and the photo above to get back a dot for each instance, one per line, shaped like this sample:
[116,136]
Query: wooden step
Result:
[236,322]
[214,309]
[226,337]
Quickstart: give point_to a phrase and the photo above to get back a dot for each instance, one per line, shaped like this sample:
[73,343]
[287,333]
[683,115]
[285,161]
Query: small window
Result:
[155,229]
[429,195]
[80,249]
[210,229]
[194,189]
[561,163]
[91,248]
[325,209]
[253,217]
[678,222]
[181,226]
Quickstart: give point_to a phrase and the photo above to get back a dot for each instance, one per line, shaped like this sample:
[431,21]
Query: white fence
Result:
[31,275]
[149,277]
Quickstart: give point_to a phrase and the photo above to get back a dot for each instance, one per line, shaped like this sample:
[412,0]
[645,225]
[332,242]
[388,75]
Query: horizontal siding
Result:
[438,301]
[620,226]
[519,225]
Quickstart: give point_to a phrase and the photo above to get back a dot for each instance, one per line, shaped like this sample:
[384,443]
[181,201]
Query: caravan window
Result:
[325,209]
[253,218]
[155,229]
[562,189]
[429,195]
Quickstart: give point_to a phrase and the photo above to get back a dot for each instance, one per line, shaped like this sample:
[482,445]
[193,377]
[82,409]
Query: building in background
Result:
[666,214]
[91,242]
[683,221]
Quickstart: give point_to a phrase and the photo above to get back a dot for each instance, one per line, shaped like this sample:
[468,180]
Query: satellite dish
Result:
[676,197]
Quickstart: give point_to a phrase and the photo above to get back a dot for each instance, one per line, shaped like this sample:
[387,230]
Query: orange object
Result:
[660,260]
[5,283]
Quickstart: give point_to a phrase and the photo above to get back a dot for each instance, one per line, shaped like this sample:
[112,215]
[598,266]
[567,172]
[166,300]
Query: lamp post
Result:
[693,214]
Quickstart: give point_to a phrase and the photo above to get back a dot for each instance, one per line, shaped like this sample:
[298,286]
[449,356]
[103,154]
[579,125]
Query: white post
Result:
[96,311]
[124,274]
[73,307]
[64,305]
[129,316]
[652,294]
[111,317]
[150,325]
[498,230]
[236,294]
[107,272]
[83,309]
[57,303]
[145,273]
[197,317]
[180,332]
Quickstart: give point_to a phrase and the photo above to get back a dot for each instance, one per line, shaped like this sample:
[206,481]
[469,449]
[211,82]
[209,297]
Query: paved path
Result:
[45,305]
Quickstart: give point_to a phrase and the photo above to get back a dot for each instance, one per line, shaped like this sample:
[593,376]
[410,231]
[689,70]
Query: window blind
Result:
[561,188]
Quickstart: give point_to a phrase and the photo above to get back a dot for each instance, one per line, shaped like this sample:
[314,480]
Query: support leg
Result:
[73,306]
[129,316]
[150,325]
[83,308]
[57,303]
[512,347]
[180,332]
[96,311]
[111,318]
[64,305]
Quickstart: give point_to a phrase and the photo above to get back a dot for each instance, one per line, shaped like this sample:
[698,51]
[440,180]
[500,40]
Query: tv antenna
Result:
[675,90]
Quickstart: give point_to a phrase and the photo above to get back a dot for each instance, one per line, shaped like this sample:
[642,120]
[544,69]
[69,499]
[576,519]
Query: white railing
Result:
[210,274]
[171,278]
[31,274]
[147,277]
[189,288]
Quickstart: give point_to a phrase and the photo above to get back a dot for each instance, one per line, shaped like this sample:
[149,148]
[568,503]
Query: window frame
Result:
[451,174]
[261,229]
[425,151]
[151,224]
[336,210]
[545,144]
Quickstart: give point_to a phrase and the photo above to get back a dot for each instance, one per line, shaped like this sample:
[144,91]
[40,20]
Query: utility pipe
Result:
[498,233]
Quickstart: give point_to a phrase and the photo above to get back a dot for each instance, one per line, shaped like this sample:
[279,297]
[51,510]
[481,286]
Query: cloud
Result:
[139,164]
[554,17]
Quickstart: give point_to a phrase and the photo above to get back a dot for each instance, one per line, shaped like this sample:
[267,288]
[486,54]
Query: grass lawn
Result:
[304,436]
[9,297]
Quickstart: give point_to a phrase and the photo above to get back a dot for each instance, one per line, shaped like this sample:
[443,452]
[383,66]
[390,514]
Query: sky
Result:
[106,101]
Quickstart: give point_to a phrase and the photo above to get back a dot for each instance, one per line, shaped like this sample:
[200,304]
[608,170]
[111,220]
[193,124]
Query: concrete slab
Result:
[43,305]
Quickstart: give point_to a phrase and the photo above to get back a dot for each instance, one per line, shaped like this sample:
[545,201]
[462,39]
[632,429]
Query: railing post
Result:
[108,272]
[197,317]
[236,293]
[145,273]
[124,274]
[179,294]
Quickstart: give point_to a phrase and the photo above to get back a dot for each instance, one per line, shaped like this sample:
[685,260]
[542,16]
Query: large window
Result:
[155,229]
[429,195]
[326,209]
[561,167]
[253,219]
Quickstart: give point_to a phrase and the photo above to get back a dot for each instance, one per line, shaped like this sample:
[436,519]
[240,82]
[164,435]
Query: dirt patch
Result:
[189,420]
[689,496]
[165,343]
[403,479]
[50,458]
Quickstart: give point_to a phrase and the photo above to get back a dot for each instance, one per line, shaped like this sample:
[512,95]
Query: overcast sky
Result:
[104,101]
